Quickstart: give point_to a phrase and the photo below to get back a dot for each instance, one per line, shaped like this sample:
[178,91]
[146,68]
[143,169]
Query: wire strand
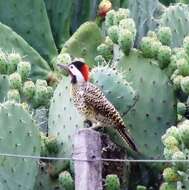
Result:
[89,160]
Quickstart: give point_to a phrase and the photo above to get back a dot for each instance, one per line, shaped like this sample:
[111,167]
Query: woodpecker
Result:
[92,103]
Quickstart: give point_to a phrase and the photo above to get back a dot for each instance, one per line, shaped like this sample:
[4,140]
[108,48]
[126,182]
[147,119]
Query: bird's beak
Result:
[64,68]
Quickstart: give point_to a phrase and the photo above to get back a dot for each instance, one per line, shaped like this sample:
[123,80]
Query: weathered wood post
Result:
[87,147]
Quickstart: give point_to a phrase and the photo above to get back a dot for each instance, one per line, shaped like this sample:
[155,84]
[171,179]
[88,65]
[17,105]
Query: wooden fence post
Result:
[87,146]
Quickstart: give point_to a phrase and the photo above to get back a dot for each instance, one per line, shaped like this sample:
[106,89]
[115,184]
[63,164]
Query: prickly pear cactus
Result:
[176,17]
[19,135]
[36,28]
[63,121]
[61,11]
[176,147]
[144,13]
[84,42]
[155,109]
[10,41]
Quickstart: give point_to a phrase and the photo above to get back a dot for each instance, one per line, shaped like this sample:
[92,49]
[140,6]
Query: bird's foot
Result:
[87,124]
[96,126]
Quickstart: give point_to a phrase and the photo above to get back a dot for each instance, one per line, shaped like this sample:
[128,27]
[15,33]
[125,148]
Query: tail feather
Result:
[127,138]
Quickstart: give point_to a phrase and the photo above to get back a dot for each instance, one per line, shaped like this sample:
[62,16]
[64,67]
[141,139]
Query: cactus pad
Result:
[84,42]
[155,110]
[19,135]
[64,119]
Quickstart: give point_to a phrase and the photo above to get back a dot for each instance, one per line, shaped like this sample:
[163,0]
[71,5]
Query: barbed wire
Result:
[19,156]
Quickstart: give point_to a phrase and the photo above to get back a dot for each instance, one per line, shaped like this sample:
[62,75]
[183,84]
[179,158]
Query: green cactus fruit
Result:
[164,56]
[168,153]
[13,60]
[186,44]
[177,82]
[183,66]
[63,58]
[41,95]
[174,132]
[170,175]
[66,181]
[44,150]
[128,24]
[50,91]
[126,41]
[109,43]
[15,81]
[100,60]
[3,63]
[29,89]
[140,187]
[179,155]
[181,108]
[184,132]
[84,43]
[184,83]
[149,48]
[49,145]
[11,41]
[174,17]
[110,18]
[140,119]
[4,87]
[113,32]
[19,136]
[105,51]
[165,35]
[120,15]
[170,142]
[112,182]
[40,82]
[152,34]
[156,46]
[52,145]
[13,95]
[168,186]
[24,69]
[63,122]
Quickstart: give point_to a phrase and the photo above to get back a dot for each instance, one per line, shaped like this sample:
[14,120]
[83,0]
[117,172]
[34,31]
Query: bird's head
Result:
[78,71]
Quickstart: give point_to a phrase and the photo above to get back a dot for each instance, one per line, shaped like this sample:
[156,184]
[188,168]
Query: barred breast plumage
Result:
[94,106]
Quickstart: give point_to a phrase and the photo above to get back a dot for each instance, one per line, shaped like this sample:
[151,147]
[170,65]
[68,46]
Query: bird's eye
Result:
[71,67]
